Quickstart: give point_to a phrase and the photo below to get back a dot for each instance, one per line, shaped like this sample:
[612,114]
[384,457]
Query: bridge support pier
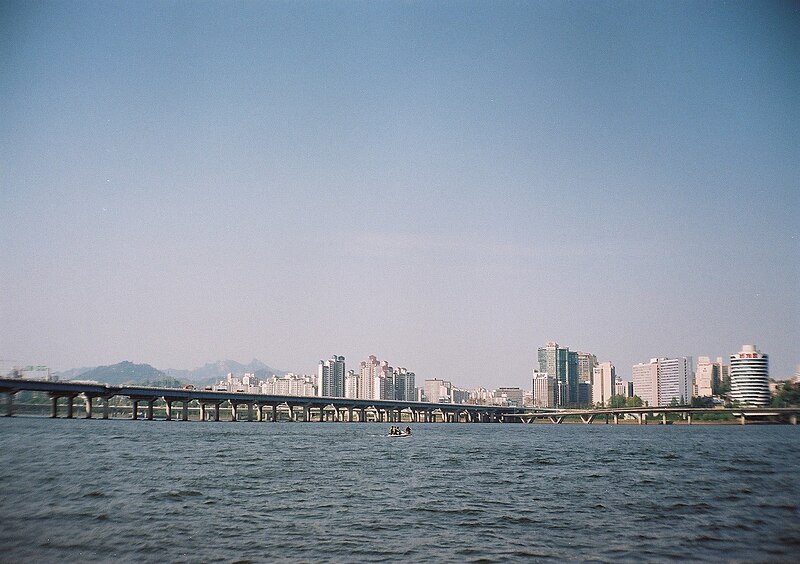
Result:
[202,411]
[616,419]
[274,413]
[9,404]
[150,403]
[168,410]
[134,409]
[216,412]
[742,419]
[234,411]
[105,408]
[688,418]
[87,405]
[663,418]
[185,414]
[53,406]
[793,419]
[250,411]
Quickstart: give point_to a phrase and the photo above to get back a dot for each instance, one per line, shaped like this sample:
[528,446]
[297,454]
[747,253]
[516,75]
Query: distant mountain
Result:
[127,372]
[73,373]
[124,372]
[215,371]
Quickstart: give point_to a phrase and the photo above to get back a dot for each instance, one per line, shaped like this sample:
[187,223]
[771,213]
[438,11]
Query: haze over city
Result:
[445,185]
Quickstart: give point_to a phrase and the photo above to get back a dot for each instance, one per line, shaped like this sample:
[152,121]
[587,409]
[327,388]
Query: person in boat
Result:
[394,430]
[408,430]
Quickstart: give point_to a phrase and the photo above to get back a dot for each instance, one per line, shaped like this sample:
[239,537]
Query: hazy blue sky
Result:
[446,185]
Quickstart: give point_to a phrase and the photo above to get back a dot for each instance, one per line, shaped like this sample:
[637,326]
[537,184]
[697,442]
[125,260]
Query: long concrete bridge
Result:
[144,401]
[641,415]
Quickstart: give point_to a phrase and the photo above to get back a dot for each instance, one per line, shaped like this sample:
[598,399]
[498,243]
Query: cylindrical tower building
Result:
[750,376]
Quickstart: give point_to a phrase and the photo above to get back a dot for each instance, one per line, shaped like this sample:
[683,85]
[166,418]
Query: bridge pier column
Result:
[150,403]
[306,413]
[742,419]
[274,413]
[216,412]
[9,404]
[234,411]
[259,412]
[793,419]
[663,418]
[616,418]
[202,411]
[688,418]
[168,410]
[135,409]
[185,414]
[87,405]
[105,408]
[250,411]
[70,400]
[53,406]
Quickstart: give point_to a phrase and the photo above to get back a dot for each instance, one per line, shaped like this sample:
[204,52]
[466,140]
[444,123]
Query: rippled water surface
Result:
[157,491]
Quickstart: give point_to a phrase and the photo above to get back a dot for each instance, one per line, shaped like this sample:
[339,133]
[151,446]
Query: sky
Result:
[445,185]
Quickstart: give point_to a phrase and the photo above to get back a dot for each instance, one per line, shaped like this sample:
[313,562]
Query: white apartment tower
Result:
[544,389]
[709,376]
[604,379]
[375,379]
[438,391]
[750,376]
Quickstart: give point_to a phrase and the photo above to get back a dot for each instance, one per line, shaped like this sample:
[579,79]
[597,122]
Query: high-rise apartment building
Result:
[404,385]
[288,385]
[663,380]
[561,364]
[709,376]
[645,382]
[586,364]
[437,391]
[675,380]
[750,376]
[351,384]
[544,389]
[512,396]
[331,377]
[604,380]
[372,378]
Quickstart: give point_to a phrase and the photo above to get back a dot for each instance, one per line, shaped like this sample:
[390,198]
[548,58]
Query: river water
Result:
[157,491]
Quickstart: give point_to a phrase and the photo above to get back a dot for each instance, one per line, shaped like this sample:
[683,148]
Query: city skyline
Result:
[448,186]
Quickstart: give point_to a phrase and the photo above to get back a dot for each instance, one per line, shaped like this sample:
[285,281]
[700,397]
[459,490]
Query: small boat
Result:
[400,435]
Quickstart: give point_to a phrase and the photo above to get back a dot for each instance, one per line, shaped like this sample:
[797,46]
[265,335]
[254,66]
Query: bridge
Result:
[657,414]
[206,404]
[244,406]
